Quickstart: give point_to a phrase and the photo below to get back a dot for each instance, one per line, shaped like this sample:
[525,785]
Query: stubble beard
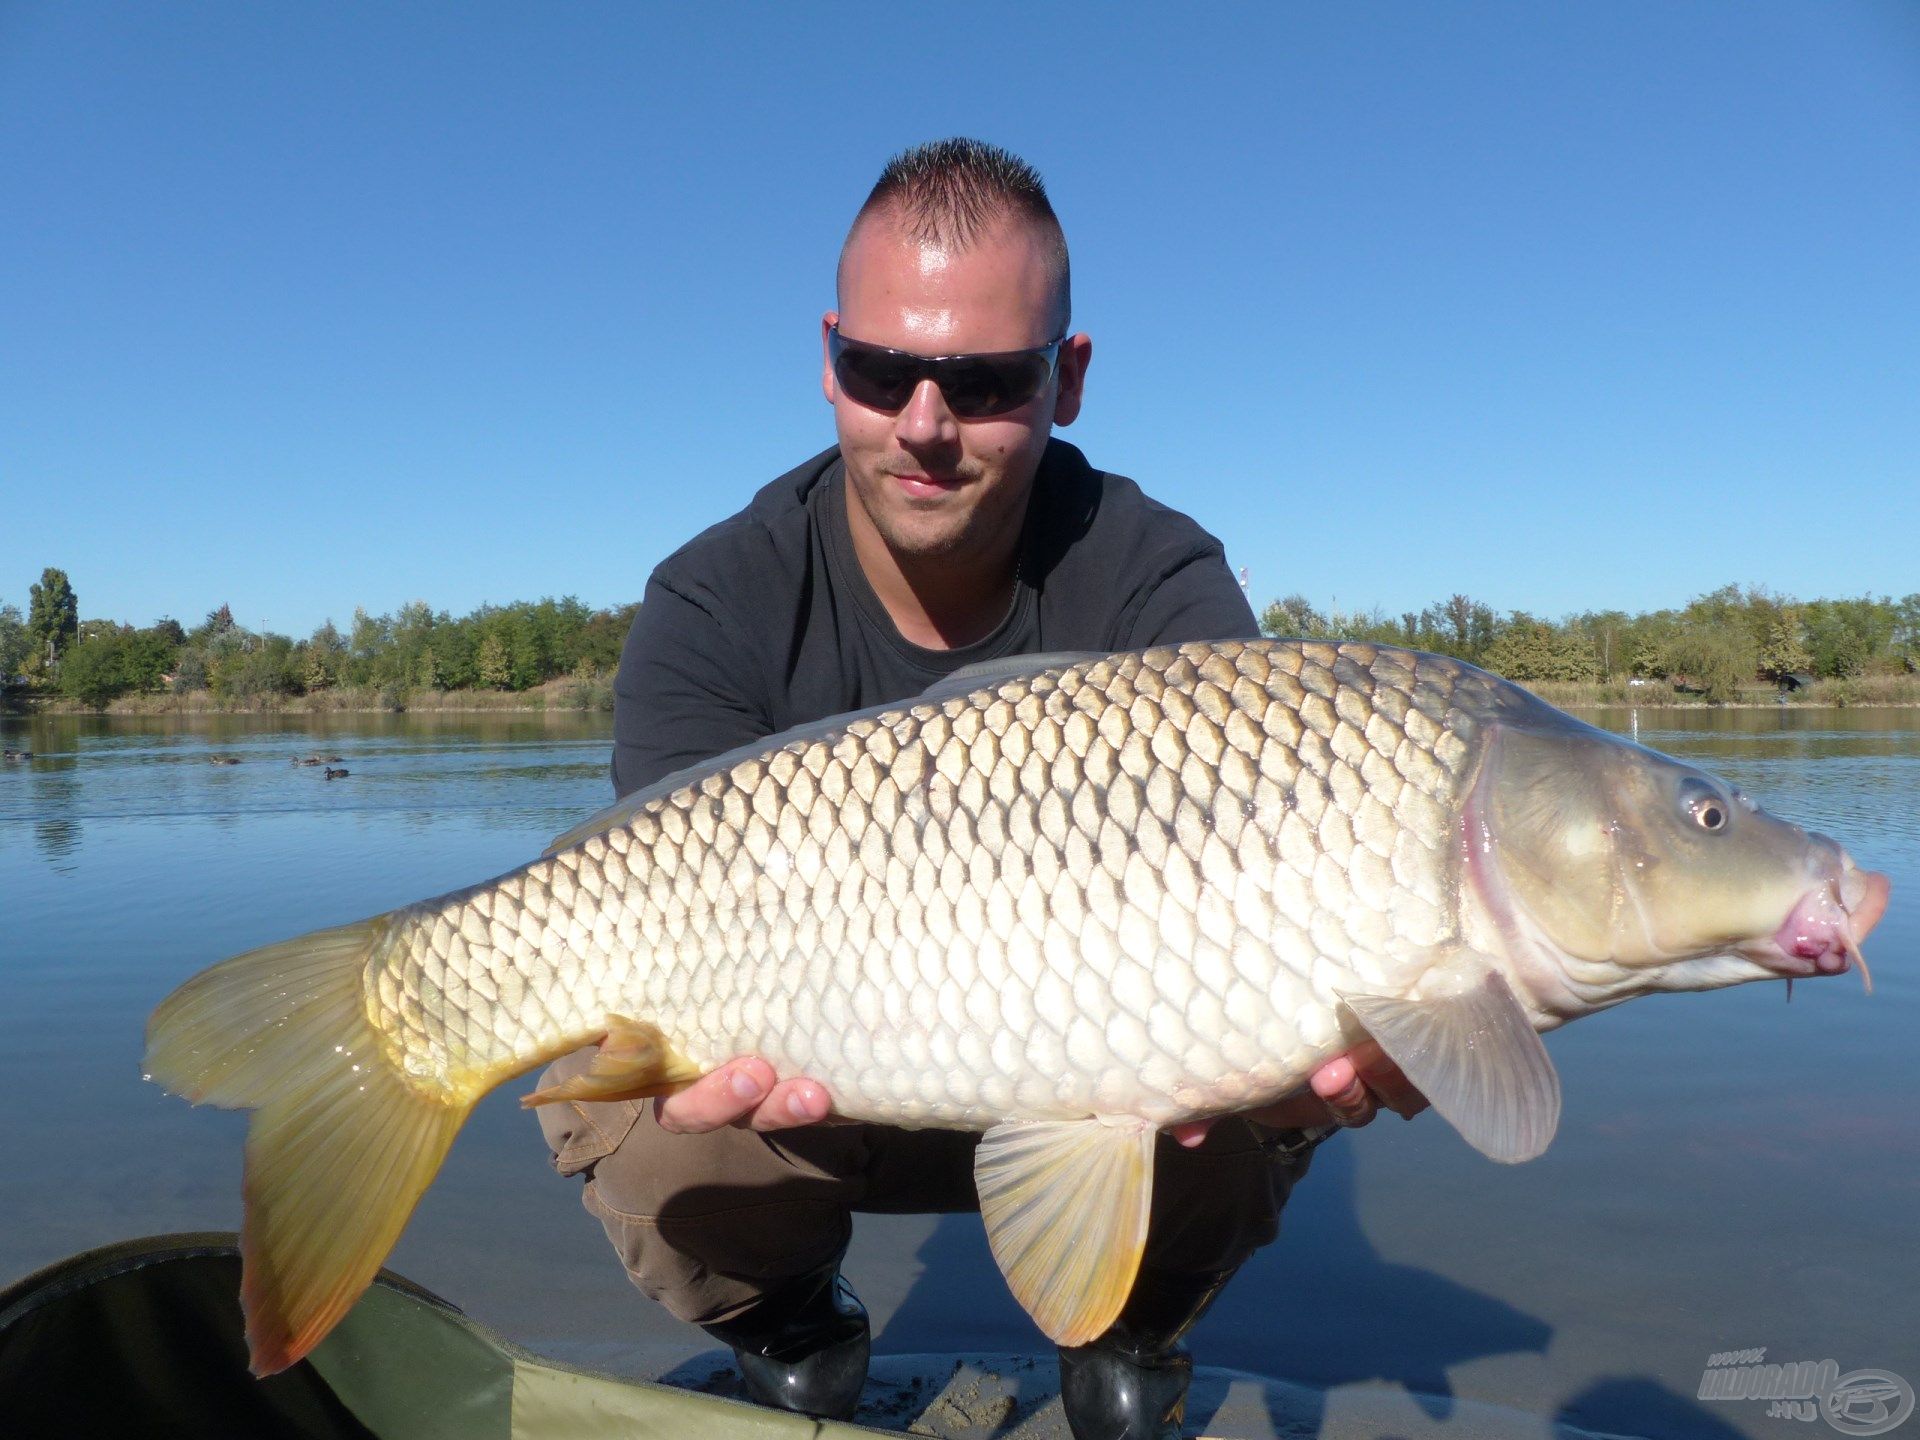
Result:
[949,537]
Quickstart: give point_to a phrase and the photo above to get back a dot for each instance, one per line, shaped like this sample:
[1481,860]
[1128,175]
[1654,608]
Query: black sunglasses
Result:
[975,386]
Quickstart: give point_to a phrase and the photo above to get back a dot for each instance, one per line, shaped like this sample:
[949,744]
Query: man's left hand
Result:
[1349,1090]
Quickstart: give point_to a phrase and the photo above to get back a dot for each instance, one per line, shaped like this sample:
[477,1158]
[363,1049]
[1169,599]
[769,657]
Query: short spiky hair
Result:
[957,192]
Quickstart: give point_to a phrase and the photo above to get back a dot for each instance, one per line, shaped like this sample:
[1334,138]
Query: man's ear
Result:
[827,322]
[1076,353]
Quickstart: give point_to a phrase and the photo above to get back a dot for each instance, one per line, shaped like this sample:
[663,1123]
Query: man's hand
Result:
[1349,1090]
[743,1092]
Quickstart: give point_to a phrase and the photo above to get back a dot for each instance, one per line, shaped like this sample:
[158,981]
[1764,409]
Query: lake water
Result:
[1731,1172]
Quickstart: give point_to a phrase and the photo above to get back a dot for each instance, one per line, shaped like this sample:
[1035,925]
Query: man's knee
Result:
[705,1224]
[580,1134]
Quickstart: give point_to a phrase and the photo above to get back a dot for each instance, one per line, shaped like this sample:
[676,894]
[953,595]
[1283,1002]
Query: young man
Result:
[945,528]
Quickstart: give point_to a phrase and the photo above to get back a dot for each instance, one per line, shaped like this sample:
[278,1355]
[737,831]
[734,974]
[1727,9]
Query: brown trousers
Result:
[706,1224]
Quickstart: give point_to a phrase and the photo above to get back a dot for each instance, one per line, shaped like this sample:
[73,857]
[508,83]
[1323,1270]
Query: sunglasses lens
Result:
[874,377]
[978,388]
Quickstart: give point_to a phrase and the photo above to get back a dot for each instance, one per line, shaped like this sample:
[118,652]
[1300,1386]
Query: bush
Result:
[97,671]
[1718,660]
[263,665]
[587,692]
[190,670]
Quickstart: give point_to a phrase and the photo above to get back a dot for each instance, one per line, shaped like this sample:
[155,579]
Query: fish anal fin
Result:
[634,1062]
[1476,1057]
[1065,1204]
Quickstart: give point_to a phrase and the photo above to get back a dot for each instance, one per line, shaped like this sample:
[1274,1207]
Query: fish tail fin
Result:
[342,1143]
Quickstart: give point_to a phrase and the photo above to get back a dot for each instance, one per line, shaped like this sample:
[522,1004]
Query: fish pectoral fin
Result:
[1476,1057]
[634,1062]
[1065,1203]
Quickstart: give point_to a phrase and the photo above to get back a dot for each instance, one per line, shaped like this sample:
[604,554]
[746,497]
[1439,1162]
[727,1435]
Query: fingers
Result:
[1340,1088]
[742,1092]
[1348,1090]
[1387,1082]
[793,1102]
[1191,1133]
[717,1099]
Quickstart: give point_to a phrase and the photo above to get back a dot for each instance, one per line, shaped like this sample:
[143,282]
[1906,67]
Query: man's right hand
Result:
[1347,1090]
[743,1092]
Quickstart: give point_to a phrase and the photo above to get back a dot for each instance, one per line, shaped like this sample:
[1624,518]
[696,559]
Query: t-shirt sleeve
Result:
[1197,600]
[677,699]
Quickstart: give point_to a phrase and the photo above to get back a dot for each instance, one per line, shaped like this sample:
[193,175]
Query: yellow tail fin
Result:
[342,1144]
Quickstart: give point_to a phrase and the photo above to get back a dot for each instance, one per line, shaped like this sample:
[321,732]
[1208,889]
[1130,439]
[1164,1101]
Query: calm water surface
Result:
[1731,1172]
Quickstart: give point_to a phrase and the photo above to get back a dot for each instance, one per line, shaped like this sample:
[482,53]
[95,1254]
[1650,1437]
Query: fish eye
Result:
[1705,805]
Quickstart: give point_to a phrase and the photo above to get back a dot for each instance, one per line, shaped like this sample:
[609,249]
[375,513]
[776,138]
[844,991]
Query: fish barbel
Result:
[1069,903]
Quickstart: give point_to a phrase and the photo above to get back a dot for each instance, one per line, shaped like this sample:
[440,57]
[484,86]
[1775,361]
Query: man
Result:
[945,528]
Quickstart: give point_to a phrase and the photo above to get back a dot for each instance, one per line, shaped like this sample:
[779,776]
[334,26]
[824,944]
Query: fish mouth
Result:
[1822,933]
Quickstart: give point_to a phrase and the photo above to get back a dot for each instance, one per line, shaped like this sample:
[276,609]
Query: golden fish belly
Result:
[1132,887]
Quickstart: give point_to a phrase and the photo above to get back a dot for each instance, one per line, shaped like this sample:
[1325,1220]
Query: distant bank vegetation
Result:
[539,653]
[1731,644]
[1723,646]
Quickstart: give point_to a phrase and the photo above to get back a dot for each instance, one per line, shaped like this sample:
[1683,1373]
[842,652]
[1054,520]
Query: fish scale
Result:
[1153,871]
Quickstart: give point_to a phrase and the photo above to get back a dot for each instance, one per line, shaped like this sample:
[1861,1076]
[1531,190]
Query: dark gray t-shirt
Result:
[766,621]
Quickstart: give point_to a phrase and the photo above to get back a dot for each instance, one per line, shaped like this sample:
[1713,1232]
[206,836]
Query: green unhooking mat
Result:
[143,1339]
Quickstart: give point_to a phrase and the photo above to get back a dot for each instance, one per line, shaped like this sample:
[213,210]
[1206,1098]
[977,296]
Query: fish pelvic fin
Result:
[1066,1205]
[634,1062]
[342,1142]
[1476,1057]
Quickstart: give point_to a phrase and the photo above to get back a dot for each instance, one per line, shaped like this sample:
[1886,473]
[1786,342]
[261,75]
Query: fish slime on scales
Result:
[1068,900]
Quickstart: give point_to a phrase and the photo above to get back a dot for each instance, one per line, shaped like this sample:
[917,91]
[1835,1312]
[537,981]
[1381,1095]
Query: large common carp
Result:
[1069,904]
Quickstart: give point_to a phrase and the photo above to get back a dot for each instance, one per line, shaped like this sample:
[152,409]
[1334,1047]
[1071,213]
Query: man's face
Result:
[935,487]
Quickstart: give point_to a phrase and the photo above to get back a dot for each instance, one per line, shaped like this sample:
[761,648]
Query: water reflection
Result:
[1758,719]
[56,838]
[53,796]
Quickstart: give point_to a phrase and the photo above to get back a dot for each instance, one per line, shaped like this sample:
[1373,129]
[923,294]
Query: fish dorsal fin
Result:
[963,681]
[1066,1203]
[602,820]
[983,673]
[627,806]
[1476,1057]
[634,1061]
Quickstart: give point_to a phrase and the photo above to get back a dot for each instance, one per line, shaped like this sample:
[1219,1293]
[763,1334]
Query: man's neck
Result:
[936,602]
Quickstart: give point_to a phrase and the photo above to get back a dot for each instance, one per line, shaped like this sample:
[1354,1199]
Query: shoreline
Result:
[570,696]
[565,698]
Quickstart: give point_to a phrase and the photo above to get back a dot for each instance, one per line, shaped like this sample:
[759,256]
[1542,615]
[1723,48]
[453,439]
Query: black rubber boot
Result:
[1131,1383]
[803,1347]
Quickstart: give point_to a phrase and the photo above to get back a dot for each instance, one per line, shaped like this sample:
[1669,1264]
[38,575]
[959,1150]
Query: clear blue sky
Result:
[1570,305]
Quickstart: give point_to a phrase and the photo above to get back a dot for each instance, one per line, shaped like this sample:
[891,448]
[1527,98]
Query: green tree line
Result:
[497,647]
[1714,645]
